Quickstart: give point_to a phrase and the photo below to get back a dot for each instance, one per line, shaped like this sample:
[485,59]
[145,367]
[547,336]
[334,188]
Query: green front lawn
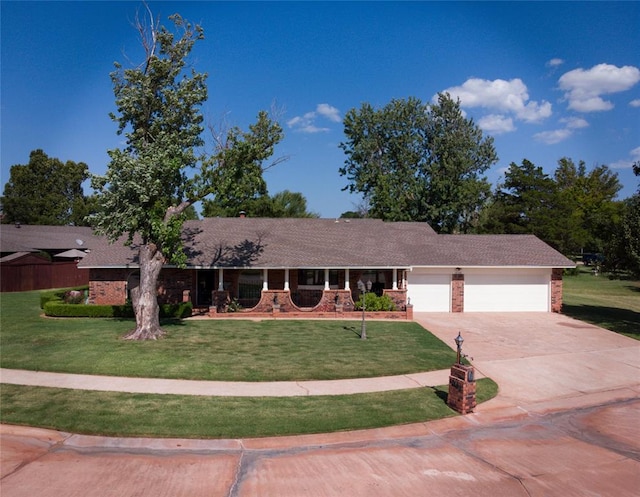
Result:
[122,414]
[613,304]
[230,350]
[226,350]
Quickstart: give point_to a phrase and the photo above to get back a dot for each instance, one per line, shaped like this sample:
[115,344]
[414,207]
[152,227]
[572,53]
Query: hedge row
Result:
[61,310]
[54,305]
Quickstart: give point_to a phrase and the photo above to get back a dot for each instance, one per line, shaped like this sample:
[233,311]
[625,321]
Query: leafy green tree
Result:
[623,250]
[46,191]
[592,197]
[572,211]
[351,215]
[282,204]
[147,188]
[528,202]
[418,162]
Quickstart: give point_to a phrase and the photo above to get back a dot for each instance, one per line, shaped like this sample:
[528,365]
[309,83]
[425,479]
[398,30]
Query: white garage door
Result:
[522,292]
[429,292]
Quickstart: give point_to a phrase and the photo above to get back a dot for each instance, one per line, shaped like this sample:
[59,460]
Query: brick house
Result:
[314,266]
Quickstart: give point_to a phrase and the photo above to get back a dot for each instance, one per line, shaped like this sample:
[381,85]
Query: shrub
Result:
[375,303]
[573,271]
[61,295]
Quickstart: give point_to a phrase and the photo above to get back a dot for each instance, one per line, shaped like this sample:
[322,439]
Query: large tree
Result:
[623,250]
[151,182]
[46,191]
[591,195]
[573,210]
[418,162]
[528,202]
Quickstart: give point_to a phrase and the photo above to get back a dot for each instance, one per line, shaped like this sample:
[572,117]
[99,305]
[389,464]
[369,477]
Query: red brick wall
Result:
[457,293]
[108,286]
[556,290]
[399,298]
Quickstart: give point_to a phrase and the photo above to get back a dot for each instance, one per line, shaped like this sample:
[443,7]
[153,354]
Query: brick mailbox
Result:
[462,383]
[462,389]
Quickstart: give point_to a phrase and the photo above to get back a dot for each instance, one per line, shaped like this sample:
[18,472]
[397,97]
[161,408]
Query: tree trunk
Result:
[145,296]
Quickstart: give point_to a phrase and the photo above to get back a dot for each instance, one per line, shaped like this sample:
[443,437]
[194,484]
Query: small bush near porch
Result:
[230,350]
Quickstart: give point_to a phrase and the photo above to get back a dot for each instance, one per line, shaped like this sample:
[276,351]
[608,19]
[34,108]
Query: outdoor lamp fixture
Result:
[459,341]
[275,299]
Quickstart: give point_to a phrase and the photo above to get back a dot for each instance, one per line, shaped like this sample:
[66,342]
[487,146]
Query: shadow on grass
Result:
[442,394]
[354,330]
[624,321]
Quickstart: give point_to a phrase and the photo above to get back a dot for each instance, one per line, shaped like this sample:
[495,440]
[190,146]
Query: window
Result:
[315,277]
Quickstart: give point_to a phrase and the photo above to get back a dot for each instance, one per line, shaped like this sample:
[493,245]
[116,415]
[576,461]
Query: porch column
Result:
[326,279]
[395,279]
[265,282]
[220,279]
[286,279]
[346,279]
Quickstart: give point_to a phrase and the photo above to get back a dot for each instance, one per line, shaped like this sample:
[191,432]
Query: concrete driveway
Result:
[565,423]
[537,357]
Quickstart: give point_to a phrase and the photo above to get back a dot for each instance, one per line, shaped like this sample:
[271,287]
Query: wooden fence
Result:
[25,277]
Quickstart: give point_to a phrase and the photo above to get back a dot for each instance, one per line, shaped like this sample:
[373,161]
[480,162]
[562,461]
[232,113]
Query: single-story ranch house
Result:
[316,266]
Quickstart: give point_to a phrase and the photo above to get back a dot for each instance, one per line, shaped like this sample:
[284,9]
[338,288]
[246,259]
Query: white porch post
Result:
[220,279]
[286,279]
[395,279]
[326,279]
[265,282]
[346,279]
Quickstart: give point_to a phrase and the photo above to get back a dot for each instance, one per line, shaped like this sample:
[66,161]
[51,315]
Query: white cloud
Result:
[584,88]
[575,122]
[627,163]
[558,135]
[502,96]
[555,62]
[329,112]
[307,122]
[635,103]
[554,136]
[496,124]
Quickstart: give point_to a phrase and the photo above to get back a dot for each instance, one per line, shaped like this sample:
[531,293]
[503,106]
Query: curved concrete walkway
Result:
[565,423]
[224,388]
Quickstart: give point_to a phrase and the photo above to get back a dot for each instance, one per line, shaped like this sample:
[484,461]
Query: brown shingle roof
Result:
[328,243]
[32,238]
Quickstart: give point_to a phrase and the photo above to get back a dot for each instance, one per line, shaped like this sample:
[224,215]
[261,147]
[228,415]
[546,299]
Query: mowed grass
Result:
[224,350]
[121,414]
[217,350]
[613,304]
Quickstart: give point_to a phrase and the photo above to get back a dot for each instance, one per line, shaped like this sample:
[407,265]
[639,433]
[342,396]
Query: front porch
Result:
[303,293]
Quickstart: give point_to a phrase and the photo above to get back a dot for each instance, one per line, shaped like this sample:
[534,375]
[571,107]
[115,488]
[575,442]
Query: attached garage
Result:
[507,290]
[429,291]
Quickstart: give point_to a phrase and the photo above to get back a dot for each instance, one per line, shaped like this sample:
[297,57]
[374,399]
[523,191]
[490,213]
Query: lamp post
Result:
[363,290]
[459,341]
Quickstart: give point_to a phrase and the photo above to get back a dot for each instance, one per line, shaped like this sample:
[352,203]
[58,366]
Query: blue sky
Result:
[547,80]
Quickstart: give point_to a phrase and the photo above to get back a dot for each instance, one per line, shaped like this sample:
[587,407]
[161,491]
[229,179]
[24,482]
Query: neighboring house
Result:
[37,257]
[314,265]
